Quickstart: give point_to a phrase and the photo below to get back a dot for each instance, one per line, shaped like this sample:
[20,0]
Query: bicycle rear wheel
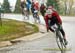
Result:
[36,18]
[60,42]
[26,14]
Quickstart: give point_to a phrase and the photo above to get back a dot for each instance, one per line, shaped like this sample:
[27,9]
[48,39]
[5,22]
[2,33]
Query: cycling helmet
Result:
[22,0]
[50,7]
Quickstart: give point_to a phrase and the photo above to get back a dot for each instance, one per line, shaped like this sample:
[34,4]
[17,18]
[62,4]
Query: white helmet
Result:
[22,0]
[50,7]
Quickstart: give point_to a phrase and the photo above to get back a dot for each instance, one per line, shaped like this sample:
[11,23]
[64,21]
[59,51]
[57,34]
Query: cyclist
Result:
[42,9]
[35,9]
[52,18]
[23,5]
[28,4]
[32,7]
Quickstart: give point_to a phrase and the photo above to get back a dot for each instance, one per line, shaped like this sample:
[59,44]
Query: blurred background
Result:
[64,7]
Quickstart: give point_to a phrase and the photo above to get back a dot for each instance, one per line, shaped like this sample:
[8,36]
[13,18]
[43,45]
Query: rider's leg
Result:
[43,13]
[63,33]
[38,18]
[23,13]
[34,16]
[28,13]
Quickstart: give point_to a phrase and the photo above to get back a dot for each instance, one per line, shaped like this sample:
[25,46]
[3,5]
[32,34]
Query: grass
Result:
[12,29]
[56,49]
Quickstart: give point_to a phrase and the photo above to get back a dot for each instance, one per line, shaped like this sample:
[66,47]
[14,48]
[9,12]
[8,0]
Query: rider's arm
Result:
[47,26]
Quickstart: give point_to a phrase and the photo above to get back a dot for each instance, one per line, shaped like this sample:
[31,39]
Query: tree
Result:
[17,7]
[67,6]
[71,3]
[54,3]
[6,6]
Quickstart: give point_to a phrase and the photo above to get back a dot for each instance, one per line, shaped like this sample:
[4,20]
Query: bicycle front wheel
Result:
[60,42]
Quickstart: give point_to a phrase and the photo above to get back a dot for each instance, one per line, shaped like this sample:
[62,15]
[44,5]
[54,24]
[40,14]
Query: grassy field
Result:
[12,29]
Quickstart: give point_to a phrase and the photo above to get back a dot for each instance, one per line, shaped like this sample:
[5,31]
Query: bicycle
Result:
[59,38]
[26,13]
[60,41]
[36,16]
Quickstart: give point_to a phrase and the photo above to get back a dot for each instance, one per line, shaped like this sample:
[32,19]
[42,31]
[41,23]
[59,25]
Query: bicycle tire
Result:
[60,42]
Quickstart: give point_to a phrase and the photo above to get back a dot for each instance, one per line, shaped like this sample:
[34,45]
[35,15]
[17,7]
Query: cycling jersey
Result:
[54,19]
